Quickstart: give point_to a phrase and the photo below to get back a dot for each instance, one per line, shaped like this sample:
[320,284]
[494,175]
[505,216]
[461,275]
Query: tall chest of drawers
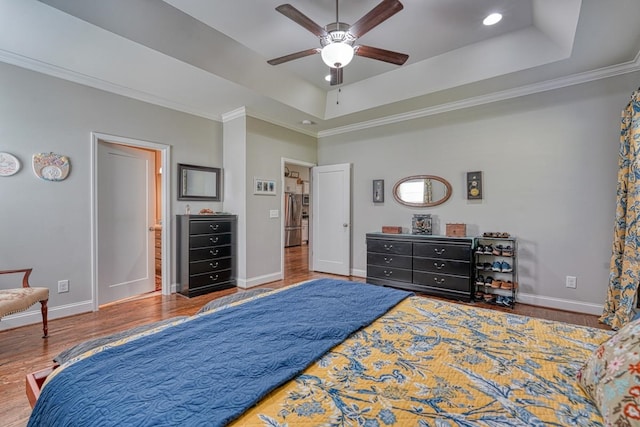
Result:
[436,265]
[206,253]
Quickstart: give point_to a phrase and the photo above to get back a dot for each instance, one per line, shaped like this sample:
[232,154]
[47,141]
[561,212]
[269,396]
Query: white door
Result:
[125,214]
[331,219]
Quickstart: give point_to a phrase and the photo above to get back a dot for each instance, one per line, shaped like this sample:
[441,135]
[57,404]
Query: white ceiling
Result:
[208,57]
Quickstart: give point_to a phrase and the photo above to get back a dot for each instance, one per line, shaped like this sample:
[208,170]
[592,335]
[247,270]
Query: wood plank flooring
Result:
[22,350]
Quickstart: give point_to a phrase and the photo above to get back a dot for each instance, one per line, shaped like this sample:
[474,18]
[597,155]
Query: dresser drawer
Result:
[442,266]
[389,273]
[442,250]
[209,253]
[209,227]
[442,281]
[207,279]
[206,240]
[210,265]
[389,260]
[389,247]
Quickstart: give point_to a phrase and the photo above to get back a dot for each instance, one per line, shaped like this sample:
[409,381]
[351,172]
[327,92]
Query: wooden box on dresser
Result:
[206,253]
[436,265]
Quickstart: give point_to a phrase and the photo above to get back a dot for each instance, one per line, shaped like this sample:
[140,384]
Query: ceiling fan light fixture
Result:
[337,55]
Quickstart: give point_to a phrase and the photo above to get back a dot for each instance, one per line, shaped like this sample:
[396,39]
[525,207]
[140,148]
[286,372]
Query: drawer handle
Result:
[212,265]
[438,281]
[212,240]
[387,247]
[388,260]
[388,273]
[213,277]
[214,227]
[439,267]
[439,252]
[214,252]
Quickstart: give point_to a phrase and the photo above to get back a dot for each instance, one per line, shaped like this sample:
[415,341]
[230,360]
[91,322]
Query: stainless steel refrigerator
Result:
[292,220]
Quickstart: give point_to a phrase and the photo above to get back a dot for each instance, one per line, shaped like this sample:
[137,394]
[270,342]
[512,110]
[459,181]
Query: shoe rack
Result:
[496,278]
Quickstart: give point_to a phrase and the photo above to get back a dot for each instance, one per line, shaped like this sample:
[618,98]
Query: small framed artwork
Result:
[378,190]
[474,185]
[421,224]
[265,187]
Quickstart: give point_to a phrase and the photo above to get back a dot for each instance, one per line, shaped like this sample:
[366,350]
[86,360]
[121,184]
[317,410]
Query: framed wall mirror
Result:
[198,183]
[422,191]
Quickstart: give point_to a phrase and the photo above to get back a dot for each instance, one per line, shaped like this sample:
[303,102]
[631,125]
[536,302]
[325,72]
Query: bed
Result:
[334,353]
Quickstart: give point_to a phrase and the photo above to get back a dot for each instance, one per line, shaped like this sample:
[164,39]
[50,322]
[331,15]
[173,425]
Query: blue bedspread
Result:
[209,370]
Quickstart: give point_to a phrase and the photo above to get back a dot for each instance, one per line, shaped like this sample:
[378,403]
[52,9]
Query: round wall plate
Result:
[9,164]
[50,166]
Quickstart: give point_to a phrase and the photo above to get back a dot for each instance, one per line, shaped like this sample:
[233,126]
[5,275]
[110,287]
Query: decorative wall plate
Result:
[9,165]
[50,166]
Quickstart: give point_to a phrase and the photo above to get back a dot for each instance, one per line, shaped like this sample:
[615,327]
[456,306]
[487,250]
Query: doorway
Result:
[129,207]
[296,215]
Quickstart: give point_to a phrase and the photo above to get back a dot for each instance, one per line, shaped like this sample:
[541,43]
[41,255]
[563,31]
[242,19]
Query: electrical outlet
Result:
[63,286]
[571,282]
[274,213]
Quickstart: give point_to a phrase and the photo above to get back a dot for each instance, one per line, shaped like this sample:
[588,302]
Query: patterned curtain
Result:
[625,258]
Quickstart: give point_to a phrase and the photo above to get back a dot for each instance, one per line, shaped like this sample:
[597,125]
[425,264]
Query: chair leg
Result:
[43,309]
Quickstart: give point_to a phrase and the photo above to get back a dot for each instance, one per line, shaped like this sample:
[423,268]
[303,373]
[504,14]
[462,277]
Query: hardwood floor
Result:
[22,350]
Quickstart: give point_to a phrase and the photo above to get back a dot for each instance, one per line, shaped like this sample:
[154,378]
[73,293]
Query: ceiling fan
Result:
[337,39]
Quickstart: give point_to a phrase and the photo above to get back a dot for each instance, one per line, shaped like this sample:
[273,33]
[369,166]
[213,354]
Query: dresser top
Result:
[418,237]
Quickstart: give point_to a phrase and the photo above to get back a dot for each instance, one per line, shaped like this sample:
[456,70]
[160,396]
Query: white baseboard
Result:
[358,273]
[260,280]
[560,304]
[34,316]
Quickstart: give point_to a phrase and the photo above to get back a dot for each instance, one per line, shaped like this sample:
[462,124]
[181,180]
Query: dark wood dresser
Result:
[206,253]
[436,265]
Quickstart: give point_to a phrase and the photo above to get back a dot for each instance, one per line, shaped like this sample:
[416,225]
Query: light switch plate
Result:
[274,213]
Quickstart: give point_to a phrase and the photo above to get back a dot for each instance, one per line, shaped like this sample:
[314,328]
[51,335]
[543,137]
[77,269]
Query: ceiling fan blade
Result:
[292,56]
[381,54]
[301,19]
[336,76]
[383,11]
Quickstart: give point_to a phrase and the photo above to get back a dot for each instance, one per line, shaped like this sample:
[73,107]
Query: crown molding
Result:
[83,79]
[575,79]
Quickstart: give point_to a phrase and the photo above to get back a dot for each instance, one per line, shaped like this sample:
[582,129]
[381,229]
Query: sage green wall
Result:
[267,145]
[47,225]
[549,162]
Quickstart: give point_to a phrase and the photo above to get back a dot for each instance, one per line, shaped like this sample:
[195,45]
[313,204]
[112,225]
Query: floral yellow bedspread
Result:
[434,363]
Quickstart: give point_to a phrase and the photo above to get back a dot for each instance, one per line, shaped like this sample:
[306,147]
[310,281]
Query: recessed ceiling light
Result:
[492,19]
[328,77]
[307,122]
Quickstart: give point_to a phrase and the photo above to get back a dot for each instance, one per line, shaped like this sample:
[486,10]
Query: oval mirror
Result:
[422,191]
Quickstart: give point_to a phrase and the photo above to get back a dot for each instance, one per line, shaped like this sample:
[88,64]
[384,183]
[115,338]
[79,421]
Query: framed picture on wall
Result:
[264,187]
[378,190]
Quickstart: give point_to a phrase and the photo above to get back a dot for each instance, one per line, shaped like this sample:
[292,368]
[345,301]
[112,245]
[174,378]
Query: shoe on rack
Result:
[497,266]
[507,251]
[480,265]
[506,284]
[480,280]
[499,300]
[480,250]
[479,295]
[497,250]
[488,281]
[507,301]
[486,266]
[488,298]
[504,267]
[496,284]
[488,250]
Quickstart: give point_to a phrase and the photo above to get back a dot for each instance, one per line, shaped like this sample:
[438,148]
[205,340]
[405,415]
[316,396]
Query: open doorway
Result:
[296,215]
[129,204]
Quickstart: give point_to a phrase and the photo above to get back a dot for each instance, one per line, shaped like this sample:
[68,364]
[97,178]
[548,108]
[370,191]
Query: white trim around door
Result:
[165,151]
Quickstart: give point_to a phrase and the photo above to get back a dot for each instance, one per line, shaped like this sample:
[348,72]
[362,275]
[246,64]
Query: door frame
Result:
[165,152]
[302,163]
